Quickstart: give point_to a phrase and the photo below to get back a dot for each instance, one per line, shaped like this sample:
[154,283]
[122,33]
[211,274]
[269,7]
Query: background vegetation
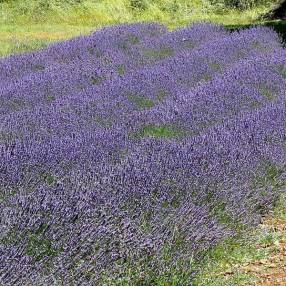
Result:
[26,25]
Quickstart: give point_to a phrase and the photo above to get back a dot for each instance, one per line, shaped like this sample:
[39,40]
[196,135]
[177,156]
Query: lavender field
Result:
[126,155]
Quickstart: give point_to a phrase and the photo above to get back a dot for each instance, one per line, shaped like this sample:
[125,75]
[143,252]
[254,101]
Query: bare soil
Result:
[272,270]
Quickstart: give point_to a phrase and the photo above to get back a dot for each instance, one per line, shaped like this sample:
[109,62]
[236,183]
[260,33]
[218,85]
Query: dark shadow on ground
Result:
[278,26]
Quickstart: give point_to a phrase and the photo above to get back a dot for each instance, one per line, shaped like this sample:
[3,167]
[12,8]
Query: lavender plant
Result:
[128,154]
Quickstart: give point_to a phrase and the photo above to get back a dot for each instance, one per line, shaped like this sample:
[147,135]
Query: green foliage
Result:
[141,102]
[50,98]
[121,69]
[38,245]
[238,4]
[162,94]
[14,46]
[31,25]
[281,69]
[150,271]
[140,5]
[267,93]
[11,238]
[280,206]
[95,79]
[163,131]
[159,54]
[48,178]
[233,251]
[270,174]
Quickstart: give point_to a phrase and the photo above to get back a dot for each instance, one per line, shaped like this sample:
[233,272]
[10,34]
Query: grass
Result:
[223,266]
[163,131]
[39,247]
[141,102]
[19,38]
[31,25]
[158,54]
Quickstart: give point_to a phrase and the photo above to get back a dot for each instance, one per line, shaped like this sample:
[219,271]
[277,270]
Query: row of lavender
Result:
[127,154]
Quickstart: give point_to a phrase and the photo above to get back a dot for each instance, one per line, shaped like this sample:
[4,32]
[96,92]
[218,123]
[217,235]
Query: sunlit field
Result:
[138,149]
[140,153]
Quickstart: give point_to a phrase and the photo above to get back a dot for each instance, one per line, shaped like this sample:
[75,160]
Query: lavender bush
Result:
[126,155]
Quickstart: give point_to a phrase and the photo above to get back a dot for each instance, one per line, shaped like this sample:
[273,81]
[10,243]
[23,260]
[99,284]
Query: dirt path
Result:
[272,270]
